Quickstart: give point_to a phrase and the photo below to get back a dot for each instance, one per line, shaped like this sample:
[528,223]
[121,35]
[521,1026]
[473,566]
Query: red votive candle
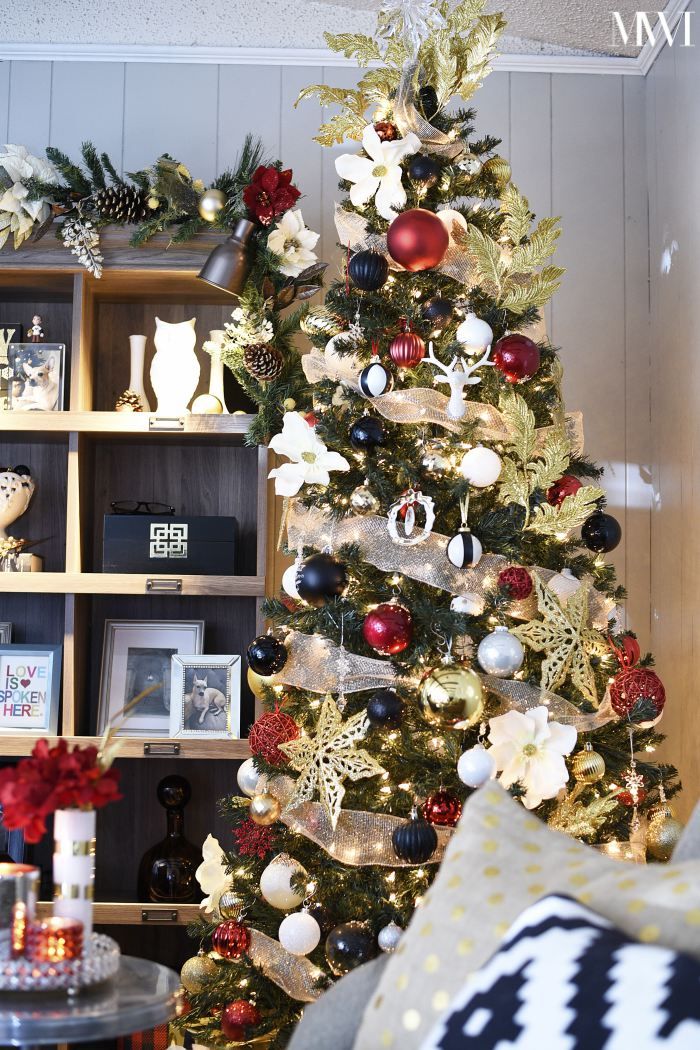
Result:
[54,940]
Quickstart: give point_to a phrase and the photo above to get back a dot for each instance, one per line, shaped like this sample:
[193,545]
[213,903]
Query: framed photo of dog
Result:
[36,377]
[205,698]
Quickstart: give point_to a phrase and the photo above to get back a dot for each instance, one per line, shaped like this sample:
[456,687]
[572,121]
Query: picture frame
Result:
[10,332]
[205,700]
[136,654]
[5,633]
[37,377]
[30,689]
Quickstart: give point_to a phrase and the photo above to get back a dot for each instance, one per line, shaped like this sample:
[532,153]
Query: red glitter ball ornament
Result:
[388,628]
[238,1016]
[272,728]
[516,582]
[517,357]
[637,685]
[442,809]
[567,485]
[231,939]
[407,350]
[417,240]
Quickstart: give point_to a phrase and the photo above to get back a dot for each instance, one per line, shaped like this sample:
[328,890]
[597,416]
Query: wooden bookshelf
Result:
[120,913]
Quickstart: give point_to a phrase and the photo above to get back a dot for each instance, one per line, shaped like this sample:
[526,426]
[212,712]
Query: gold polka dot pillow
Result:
[501,860]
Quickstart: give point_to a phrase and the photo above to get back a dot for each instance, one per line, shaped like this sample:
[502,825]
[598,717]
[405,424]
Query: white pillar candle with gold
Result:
[74,866]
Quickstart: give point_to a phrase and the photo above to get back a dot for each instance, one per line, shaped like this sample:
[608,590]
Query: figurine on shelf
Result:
[167,870]
[36,331]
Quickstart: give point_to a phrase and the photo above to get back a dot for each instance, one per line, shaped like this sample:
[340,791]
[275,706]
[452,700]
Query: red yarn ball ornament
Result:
[516,582]
[231,939]
[388,629]
[417,240]
[442,809]
[517,357]
[271,729]
[238,1016]
[407,350]
[567,485]
[637,685]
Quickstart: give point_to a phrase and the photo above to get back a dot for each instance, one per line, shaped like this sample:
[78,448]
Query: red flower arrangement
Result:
[270,193]
[54,778]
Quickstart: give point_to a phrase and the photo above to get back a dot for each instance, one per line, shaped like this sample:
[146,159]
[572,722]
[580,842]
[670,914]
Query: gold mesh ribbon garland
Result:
[294,974]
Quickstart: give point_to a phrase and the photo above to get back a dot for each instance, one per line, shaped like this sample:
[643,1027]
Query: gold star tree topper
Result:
[565,636]
[329,757]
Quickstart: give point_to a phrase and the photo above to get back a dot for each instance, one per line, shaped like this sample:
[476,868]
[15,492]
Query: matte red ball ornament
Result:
[567,485]
[417,240]
[238,1016]
[388,629]
[271,729]
[517,357]
[637,693]
[407,350]
[230,939]
[516,582]
[442,809]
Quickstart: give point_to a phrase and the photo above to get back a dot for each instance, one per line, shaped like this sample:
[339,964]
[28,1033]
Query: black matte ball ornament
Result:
[348,946]
[385,709]
[266,655]
[601,532]
[367,433]
[368,270]
[438,311]
[415,841]
[375,379]
[320,579]
[424,169]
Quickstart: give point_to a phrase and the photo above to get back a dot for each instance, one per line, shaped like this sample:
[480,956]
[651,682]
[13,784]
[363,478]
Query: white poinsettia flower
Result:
[311,461]
[380,174]
[211,873]
[294,243]
[21,165]
[529,749]
[18,214]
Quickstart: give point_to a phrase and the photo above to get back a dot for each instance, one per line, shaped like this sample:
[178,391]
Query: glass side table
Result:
[142,995]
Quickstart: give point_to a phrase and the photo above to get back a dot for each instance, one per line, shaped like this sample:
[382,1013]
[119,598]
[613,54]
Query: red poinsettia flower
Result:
[270,193]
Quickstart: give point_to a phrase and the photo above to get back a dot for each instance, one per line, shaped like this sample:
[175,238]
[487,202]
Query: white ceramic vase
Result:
[74,865]
[137,347]
[175,368]
[216,375]
[16,491]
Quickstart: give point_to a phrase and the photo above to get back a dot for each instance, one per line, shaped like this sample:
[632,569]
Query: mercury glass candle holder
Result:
[19,889]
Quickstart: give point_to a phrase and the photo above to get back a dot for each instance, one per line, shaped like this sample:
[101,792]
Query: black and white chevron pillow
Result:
[566,979]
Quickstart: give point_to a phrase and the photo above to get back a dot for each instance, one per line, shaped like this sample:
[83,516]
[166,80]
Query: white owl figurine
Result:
[175,368]
[16,491]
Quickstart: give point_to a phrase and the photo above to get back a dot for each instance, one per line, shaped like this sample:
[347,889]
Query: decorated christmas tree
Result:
[450,616]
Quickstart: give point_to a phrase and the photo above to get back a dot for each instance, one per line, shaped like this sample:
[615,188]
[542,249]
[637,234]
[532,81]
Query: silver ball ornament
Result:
[564,584]
[434,462]
[388,937]
[210,204]
[299,933]
[471,604]
[500,653]
[363,500]
[248,777]
[476,766]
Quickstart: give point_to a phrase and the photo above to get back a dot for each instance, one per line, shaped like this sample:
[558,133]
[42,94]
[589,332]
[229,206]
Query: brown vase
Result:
[167,870]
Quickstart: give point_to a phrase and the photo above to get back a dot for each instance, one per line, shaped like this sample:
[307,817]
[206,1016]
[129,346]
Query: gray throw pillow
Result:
[333,1020]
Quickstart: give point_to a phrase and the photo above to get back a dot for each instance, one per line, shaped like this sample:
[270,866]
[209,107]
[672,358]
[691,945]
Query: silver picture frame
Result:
[36,377]
[205,698]
[30,689]
[5,633]
[137,655]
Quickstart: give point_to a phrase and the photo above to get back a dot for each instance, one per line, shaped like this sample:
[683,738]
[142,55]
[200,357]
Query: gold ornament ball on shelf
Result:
[663,835]
[230,905]
[197,972]
[207,405]
[210,204]
[264,809]
[588,767]
[452,696]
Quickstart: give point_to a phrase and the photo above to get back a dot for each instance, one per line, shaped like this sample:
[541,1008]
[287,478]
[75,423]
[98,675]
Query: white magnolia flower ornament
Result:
[310,459]
[294,243]
[529,749]
[381,174]
[211,873]
[18,214]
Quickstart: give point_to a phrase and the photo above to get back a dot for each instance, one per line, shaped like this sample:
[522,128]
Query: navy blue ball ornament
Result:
[368,270]
[320,579]
[266,655]
[385,709]
[601,532]
[438,311]
[423,169]
[464,550]
[367,433]
[415,841]
[375,379]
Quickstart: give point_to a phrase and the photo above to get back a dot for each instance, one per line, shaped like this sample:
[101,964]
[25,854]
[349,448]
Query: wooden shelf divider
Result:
[127,913]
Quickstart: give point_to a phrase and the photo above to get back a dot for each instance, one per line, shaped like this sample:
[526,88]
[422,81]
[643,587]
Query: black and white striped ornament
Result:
[375,379]
[464,550]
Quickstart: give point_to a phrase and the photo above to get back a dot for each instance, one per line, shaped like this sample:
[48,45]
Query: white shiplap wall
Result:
[577,147]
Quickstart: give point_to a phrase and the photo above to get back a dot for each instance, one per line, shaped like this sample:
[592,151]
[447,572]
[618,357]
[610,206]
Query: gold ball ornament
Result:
[210,204]
[588,767]
[259,682]
[452,696]
[289,404]
[207,405]
[230,905]
[197,972]
[663,835]
[662,809]
[264,809]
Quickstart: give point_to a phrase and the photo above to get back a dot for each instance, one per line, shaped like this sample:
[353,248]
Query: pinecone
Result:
[129,401]
[264,362]
[122,204]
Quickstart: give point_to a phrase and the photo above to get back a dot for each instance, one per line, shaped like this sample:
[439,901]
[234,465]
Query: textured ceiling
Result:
[534,26]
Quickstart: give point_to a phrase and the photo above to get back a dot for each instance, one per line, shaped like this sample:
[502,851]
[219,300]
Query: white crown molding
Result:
[649,53]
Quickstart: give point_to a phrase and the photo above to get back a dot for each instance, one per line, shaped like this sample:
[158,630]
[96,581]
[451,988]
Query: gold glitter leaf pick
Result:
[329,757]
[567,639]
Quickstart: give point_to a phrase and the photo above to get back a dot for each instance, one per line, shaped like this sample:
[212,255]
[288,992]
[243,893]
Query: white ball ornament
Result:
[289,580]
[500,653]
[471,604]
[299,933]
[448,217]
[481,466]
[375,379]
[346,365]
[464,550]
[276,882]
[476,766]
[475,334]
[388,937]
[248,777]
[564,584]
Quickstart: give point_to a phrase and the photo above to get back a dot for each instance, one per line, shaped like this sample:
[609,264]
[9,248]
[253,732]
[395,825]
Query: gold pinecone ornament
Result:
[588,766]
[129,401]
[263,362]
[122,204]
